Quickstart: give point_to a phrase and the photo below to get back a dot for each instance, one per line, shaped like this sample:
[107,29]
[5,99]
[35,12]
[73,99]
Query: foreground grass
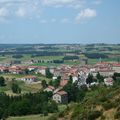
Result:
[30,117]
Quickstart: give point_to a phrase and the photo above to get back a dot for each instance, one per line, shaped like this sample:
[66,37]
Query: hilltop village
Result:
[86,75]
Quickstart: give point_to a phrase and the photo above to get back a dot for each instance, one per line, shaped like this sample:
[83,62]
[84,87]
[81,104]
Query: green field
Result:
[30,117]
[25,87]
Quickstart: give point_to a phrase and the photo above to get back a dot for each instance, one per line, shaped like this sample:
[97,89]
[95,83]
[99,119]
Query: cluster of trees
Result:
[44,53]
[71,58]
[75,93]
[31,103]
[99,78]
[91,78]
[116,77]
[17,56]
[54,83]
[15,88]
[58,61]
[2,81]
[95,55]
[48,74]
[48,61]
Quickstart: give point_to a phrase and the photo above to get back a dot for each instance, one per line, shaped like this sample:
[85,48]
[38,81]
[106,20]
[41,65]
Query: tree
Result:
[74,93]
[48,73]
[2,81]
[26,71]
[89,79]
[56,83]
[15,88]
[1,113]
[44,84]
[70,79]
[99,77]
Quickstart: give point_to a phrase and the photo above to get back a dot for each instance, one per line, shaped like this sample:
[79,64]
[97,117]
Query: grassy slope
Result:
[25,87]
[105,100]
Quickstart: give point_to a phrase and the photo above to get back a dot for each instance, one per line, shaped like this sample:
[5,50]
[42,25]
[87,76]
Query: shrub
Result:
[53,117]
[61,114]
[45,113]
[117,115]
[108,105]
[92,115]
[103,99]
[102,117]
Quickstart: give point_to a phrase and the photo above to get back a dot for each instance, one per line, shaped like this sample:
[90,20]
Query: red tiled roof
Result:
[116,64]
[51,87]
[62,93]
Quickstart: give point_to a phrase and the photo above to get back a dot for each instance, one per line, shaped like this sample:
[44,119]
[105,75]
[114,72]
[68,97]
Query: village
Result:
[80,75]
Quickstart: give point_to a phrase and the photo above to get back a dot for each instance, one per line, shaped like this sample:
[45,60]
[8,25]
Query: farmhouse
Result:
[104,72]
[41,70]
[108,81]
[116,67]
[29,79]
[60,97]
[3,69]
[32,68]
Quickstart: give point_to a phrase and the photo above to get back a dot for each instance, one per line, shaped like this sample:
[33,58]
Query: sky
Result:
[59,21]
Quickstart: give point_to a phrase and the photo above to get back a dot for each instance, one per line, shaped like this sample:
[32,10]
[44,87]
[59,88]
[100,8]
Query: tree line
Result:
[30,103]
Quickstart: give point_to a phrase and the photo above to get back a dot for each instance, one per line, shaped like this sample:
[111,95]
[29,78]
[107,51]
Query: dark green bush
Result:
[61,114]
[108,105]
[53,117]
[117,115]
[92,115]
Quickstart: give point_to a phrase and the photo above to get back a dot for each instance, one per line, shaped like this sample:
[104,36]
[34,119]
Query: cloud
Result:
[64,3]
[54,2]
[21,12]
[86,14]
[36,8]
[53,20]
[97,2]
[4,12]
[43,21]
[65,20]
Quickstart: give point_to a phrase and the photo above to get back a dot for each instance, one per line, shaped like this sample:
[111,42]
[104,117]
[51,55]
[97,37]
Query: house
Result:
[104,72]
[80,79]
[57,72]
[32,68]
[60,97]
[15,70]
[29,79]
[116,67]
[75,78]
[3,69]
[49,89]
[41,70]
[108,81]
